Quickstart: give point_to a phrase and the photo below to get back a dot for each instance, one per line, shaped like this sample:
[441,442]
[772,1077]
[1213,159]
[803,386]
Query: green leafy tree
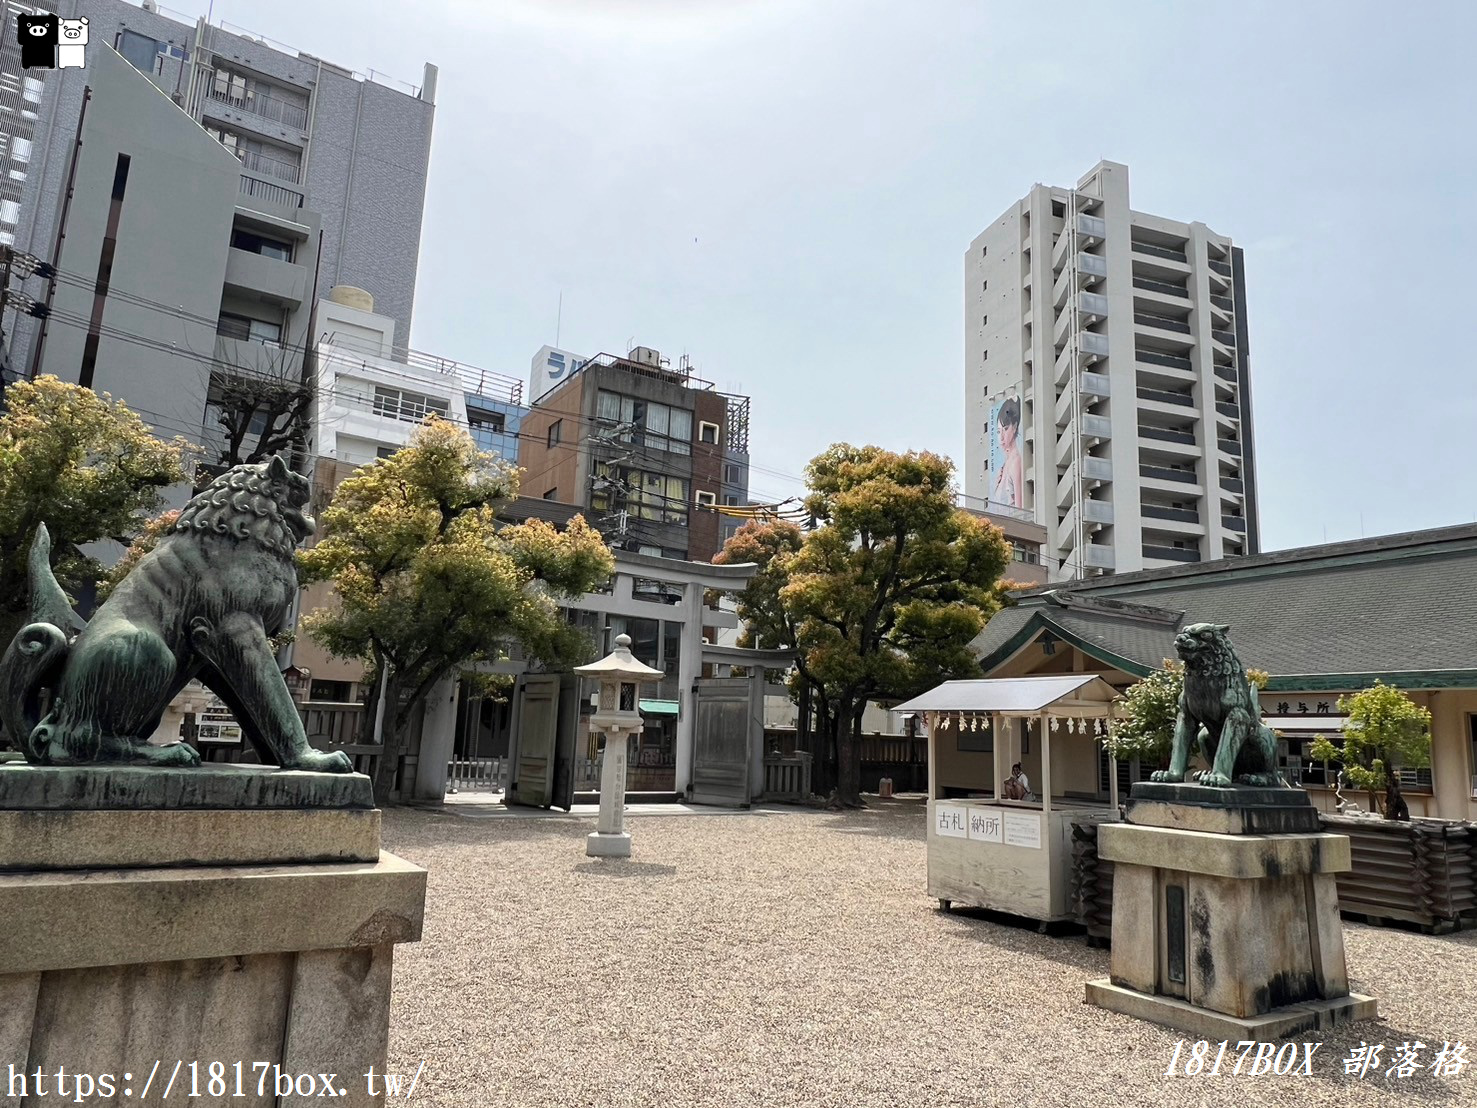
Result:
[1385,731]
[1143,724]
[882,599]
[429,582]
[87,467]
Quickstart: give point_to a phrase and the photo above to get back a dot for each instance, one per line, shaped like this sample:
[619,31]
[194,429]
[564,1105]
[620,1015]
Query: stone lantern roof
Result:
[620,663]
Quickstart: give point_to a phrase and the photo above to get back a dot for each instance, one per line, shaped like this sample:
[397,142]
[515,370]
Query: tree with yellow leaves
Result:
[429,581]
[882,599]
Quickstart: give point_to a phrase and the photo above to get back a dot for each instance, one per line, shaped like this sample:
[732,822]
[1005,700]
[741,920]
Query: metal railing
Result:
[481,382]
[1164,435]
[278,109]
[272,167]
[1164,473]
[1171,553]
[1150,285]
[1173,361]
[273,194]
[1163,322]
[1159,252]
[477,774]
[1164,397]
[1181,515]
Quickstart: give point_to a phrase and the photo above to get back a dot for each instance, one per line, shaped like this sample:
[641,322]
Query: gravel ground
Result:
[794,958]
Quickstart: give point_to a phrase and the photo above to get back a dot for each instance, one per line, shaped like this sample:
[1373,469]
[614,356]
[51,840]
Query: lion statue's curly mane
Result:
[202,603]
[1218,716]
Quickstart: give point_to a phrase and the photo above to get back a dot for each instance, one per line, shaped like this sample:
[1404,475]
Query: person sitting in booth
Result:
[1017,786]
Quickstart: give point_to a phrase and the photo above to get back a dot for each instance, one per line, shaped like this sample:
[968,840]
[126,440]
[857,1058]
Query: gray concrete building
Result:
[197,189]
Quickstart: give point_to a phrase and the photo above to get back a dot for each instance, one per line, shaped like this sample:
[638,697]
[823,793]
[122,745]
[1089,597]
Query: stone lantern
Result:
[618,715]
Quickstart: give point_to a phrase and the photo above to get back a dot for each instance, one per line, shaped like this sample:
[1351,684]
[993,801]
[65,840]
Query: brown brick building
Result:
[646,451]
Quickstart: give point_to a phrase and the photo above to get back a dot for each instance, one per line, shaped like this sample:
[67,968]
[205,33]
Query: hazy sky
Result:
[784,190]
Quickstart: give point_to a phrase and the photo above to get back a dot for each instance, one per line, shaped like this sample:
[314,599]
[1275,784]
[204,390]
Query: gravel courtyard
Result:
[794,958]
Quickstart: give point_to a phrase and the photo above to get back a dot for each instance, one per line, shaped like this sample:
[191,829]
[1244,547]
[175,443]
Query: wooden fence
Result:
[1423,871]
[787,776]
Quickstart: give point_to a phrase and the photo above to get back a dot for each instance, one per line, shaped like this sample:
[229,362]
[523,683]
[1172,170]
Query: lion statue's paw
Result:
[1215,780]
[320,761]
[1166,776]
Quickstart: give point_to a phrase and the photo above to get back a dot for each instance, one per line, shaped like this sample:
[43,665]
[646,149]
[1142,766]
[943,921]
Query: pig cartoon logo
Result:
[38,37]
[71,49]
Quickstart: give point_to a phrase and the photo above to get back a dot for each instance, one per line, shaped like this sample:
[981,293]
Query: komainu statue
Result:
[201,604]
[1219,717]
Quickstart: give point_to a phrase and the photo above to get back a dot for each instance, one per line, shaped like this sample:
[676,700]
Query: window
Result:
[730,501]
[140,51]
[495,422]
[254,243]
[707,432]
[253,330]
[385,451]
[654,497]
[1058,209]
[732,474]
[340,691]
[555,430]
[646,423]
[552,494]
[705,499]
[412,407]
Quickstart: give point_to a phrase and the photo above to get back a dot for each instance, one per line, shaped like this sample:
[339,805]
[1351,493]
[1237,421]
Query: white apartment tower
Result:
[1106,380]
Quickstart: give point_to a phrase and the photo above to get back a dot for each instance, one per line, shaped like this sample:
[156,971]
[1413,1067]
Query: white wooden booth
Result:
[1013,855]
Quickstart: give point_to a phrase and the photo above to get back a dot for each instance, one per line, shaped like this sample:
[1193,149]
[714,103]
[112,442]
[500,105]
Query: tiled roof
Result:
[1394,604]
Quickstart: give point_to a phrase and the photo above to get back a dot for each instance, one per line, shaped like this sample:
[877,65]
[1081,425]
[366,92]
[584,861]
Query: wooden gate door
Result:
[545,716]
[721,742]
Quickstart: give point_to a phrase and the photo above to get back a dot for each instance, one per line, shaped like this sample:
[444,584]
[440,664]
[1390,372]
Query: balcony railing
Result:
[1230,446]
[1233,523]
[272,167]
[1092,303]
[1232,484]
[1173,361]
[1183,399]
[1097,469]
[1159,251]
[1225,303]
[1093,384]
[1165,435]
[1171,553]
[1224,372]
[1148,284]
[272,194]
[1097,427]
[1181,515]
[1091,263]
[1093,343]
[1091,225]
[1162,322]
[1221,267]
[1164,473]
[1229,410]
[291,113]
[1226,338]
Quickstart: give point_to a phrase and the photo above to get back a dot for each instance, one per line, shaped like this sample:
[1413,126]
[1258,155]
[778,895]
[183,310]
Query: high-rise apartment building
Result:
[1106,378]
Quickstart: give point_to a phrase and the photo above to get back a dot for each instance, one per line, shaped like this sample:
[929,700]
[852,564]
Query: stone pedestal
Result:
[610,839]
[1221,931]
[191,932]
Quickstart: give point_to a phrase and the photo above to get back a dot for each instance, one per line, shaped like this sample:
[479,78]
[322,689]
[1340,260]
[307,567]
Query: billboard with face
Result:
[1007,484]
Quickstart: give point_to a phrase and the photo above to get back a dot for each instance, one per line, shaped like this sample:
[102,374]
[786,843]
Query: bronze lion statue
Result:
[1218,716]
[202,603]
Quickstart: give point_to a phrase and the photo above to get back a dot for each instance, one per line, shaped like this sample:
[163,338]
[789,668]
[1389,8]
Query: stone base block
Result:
[1313,1015]
[1223,855]
[1221,820]
[98,788]
[105,971]
[40,840]
[598,845]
